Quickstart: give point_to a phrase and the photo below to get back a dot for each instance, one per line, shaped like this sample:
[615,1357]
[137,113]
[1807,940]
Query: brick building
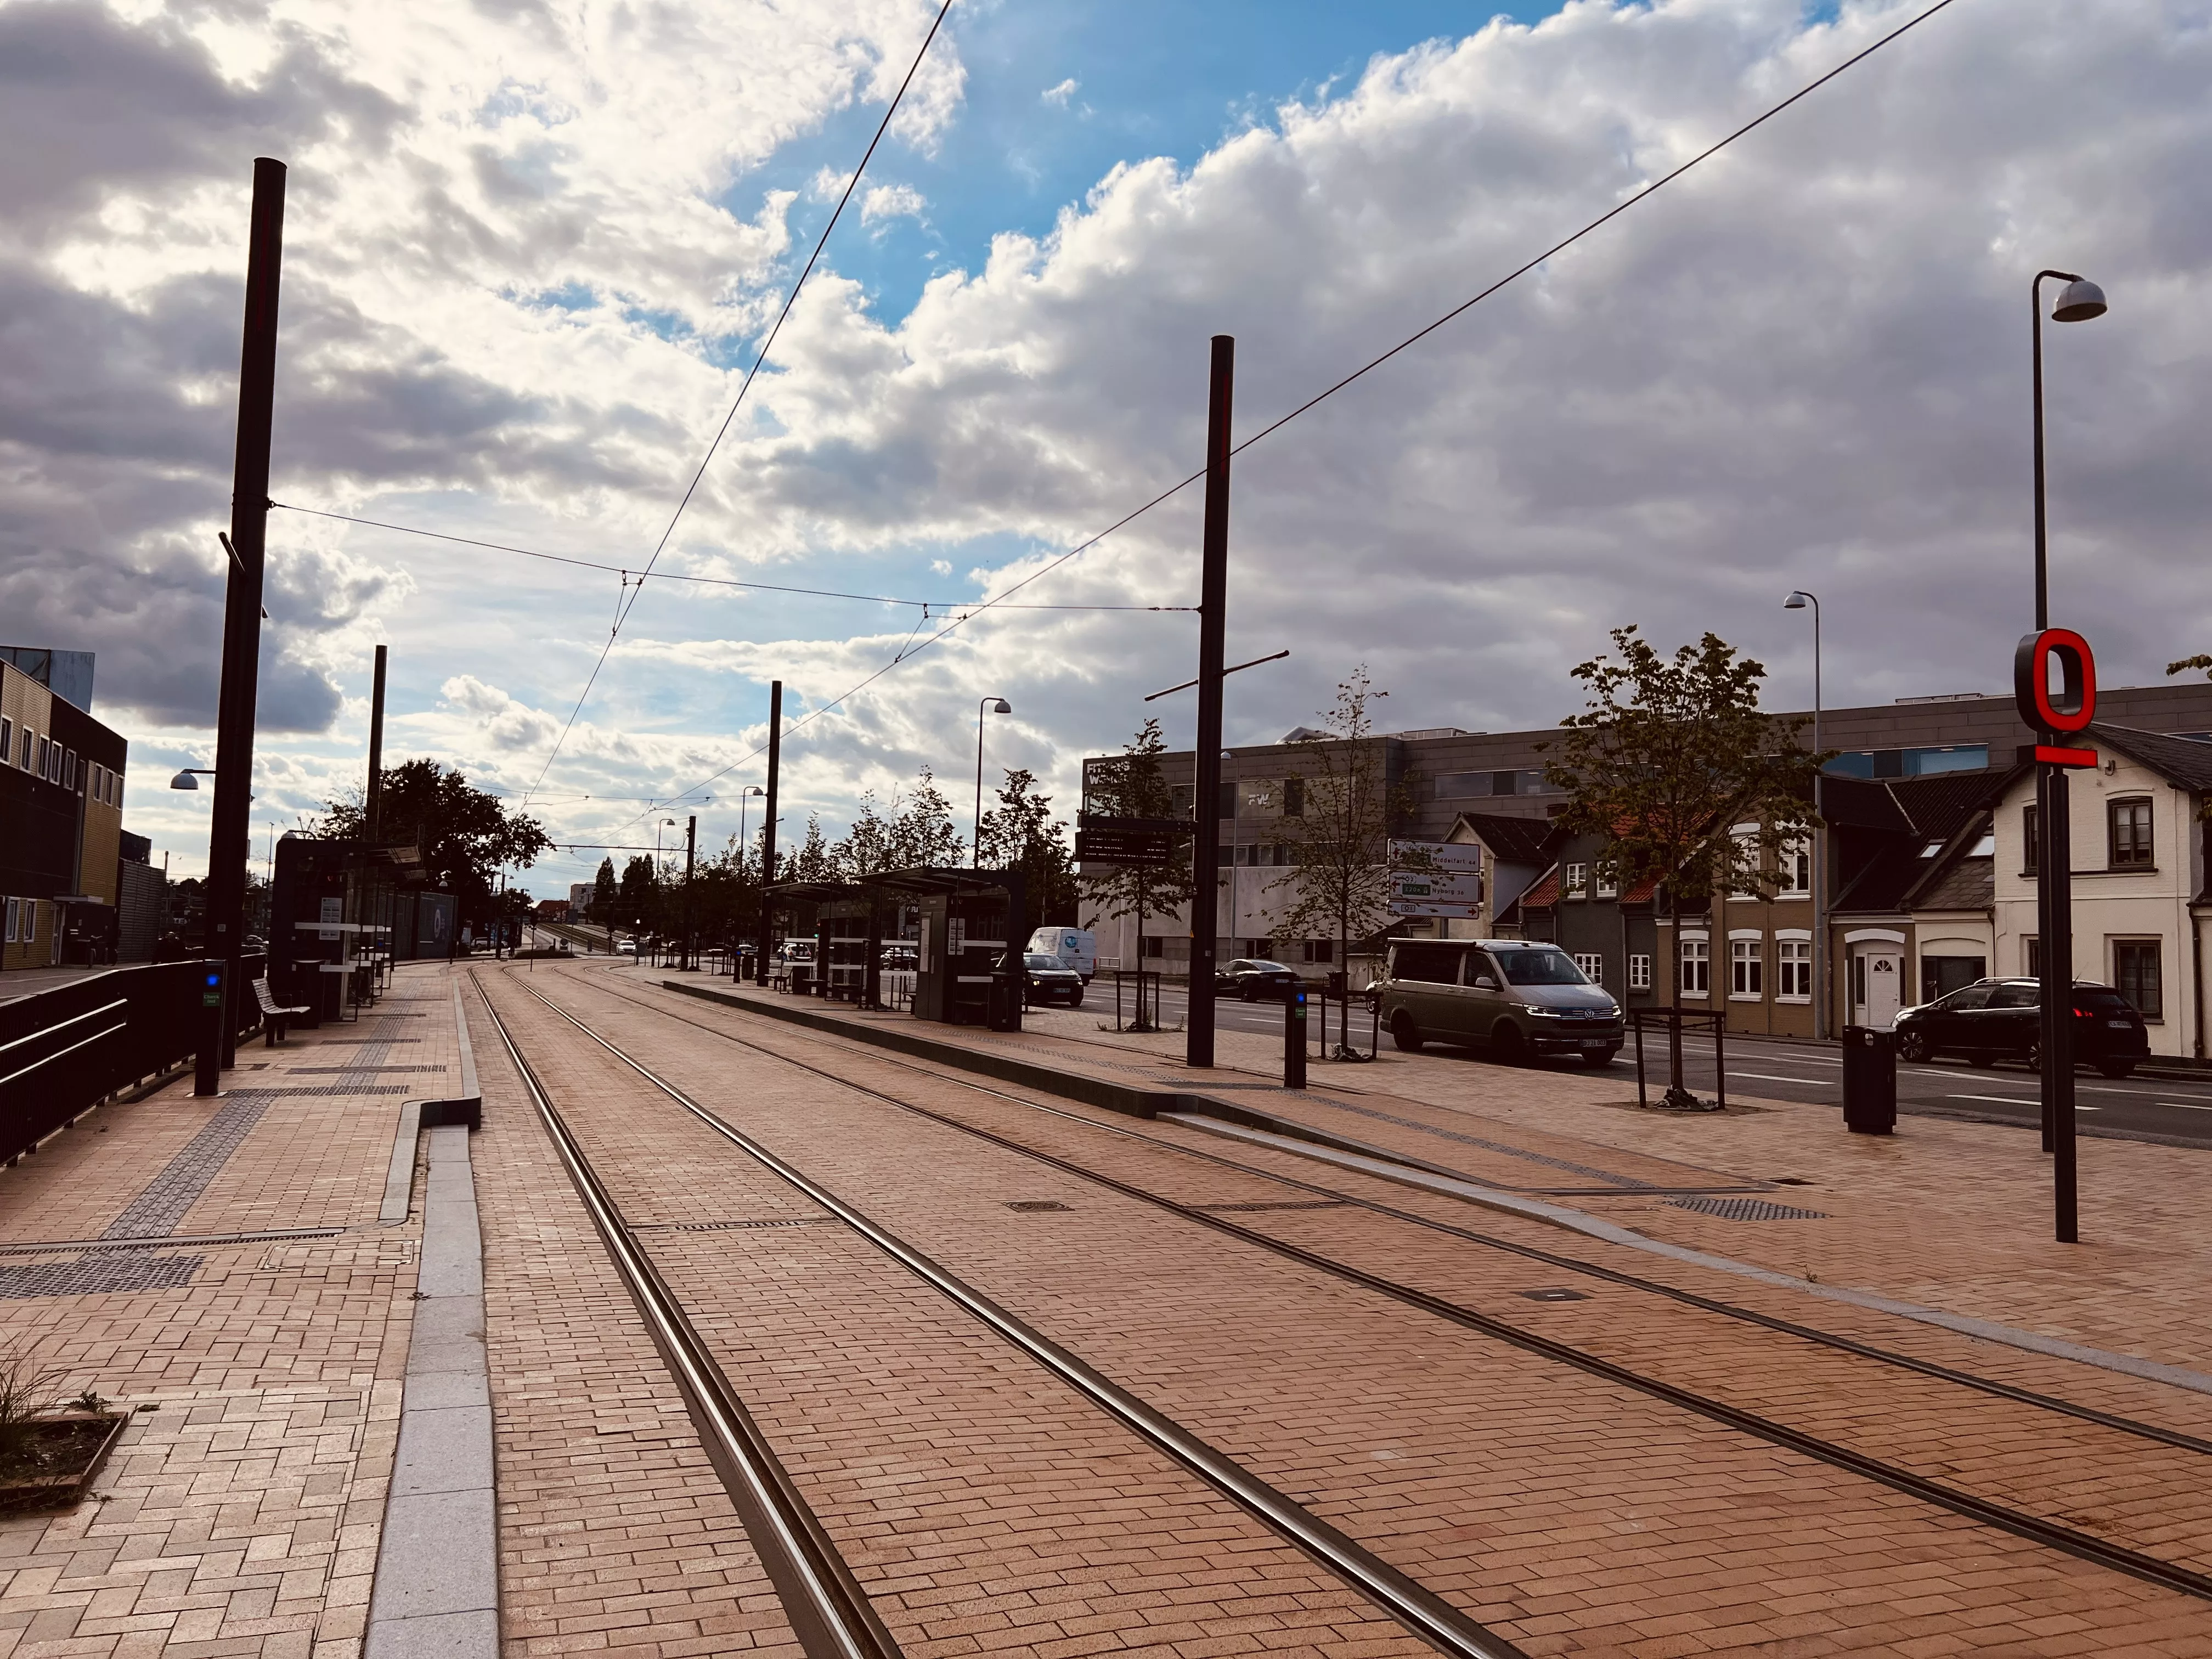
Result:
[61,815]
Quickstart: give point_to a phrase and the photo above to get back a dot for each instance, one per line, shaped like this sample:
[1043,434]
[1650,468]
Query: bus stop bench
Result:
[274,1015]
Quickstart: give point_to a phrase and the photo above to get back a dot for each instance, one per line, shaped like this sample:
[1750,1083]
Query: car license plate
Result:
[2121,1024]
[1597,1043]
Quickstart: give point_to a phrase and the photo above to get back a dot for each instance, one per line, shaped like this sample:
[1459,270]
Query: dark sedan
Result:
[1250,980]
[1995,1019]
[1044,981]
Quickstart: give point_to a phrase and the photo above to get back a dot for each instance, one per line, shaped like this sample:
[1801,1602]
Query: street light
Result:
[189,778]
[1797,601]
[744,795]
[985,706]
[2078,302]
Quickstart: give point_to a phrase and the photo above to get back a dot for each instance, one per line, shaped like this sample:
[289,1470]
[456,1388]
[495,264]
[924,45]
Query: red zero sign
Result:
[2076,705]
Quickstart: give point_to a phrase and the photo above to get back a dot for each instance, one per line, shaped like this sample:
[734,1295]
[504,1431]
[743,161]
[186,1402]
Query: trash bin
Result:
[1869,1080]
[1003,1007]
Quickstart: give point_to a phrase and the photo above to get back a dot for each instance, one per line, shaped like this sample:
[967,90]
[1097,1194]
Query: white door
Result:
[1877,979]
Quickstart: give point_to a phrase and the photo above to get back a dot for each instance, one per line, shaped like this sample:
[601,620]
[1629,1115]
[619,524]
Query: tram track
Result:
[2040,1530]
[799,1555]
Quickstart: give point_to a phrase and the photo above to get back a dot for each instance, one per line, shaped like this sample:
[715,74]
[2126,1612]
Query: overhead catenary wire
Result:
[1331,390]
[759,357]
[947,605]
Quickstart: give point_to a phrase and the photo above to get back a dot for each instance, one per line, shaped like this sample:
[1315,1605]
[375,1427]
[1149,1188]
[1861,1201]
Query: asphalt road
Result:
[1812,1072]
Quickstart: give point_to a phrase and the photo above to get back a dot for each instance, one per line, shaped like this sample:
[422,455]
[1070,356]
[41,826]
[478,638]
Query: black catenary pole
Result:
[231,828]
[690,858]
[375,749]
[768,822]
[1206,807]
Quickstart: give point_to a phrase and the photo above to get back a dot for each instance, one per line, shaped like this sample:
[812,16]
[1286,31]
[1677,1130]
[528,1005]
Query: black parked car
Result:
[1249,981]
[1995,1020]
[1044,981]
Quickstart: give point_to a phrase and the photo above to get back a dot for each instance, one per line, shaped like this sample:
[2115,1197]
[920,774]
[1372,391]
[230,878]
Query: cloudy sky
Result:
[533,245]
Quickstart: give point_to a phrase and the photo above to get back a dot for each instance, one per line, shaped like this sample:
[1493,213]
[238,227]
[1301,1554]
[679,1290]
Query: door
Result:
[1876,972]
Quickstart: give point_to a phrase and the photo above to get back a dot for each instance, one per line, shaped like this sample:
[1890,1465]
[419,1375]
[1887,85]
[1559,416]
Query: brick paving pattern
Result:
[1755,1545]
[239,1515]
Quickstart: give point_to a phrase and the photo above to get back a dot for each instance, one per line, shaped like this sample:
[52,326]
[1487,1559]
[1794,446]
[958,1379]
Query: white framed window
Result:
[27,923]
[1639,973]
[11,920]
[1746,970]
[1793,970]
[1609,879]
[1574,880]
[7,742]
[1593,967]
[1744,882]
[25,750]
[1697,968]
[1795,872]
[45,758]
[115,790]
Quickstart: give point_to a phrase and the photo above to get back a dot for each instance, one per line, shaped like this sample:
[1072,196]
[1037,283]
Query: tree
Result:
[603,894]
[1132,786]
[813,861]
[1020,832]
[466,835]
[634,904]
[1339,840]
[1668,757]
[922,834]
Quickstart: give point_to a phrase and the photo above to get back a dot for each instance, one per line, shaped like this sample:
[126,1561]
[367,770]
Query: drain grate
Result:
[725,1226]
[1028,1204]
[1747,1209]
[1554,1296]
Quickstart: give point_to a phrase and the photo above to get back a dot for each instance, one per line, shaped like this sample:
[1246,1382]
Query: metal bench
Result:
[275,1016]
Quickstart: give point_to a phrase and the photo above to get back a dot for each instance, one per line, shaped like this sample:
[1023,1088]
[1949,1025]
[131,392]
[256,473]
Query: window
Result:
[1940,975]
[1576,881]
[2135,971]
[1793,970]
[115,789]
[1320,949]
[2030,846]
[1593,967]
[6,741]
[2031,949]
[11,922]
[27,926]
[1609,880]
[1294,798]
[2017,996]
[1429,964]
[1743,880]
[1746,969]
[30,738]
[1697,968]
[1639,973]
[1148,945]
[2129,825]
[71,778]
[45,758]
[1797,870]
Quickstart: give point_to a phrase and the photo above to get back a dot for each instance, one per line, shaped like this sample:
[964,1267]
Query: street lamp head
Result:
[2079,301]
[754,789]
[1797,601]
[1000,705]
[184,780]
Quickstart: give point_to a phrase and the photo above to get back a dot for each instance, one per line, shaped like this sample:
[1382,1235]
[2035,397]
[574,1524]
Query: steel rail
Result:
[1414,1605]
[2050,1534]
[2129,1425]
[828,1609]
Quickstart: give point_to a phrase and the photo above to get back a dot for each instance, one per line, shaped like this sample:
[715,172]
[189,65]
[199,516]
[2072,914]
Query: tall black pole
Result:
[375,749]
[767,824]
[690,857]
[1212,605]
[231,830]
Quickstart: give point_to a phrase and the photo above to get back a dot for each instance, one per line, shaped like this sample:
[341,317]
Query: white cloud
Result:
[891,202]
[1059,95]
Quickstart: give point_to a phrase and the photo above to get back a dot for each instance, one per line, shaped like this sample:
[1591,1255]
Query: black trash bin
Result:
[1869,1080]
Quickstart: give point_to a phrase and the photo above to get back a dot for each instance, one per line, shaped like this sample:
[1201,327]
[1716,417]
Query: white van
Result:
[1071,947]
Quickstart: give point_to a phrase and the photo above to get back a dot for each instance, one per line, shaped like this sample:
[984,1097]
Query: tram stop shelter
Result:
[965,927]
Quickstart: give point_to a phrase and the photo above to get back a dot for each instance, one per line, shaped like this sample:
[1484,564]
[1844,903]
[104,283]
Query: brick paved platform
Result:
[1571,1514]
[239,1513]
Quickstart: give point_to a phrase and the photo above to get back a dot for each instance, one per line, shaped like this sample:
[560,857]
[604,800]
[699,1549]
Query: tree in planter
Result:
[1668,758]
[1020,832]
[1340,839]
[1132,786]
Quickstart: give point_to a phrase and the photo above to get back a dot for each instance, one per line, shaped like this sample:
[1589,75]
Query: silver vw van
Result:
[1518,998]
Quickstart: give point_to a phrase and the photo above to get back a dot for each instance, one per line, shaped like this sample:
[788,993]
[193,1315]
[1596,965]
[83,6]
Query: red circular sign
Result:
[2076,705]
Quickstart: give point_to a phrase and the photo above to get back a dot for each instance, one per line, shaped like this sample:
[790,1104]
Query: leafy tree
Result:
[603,894]
[1340,839]
[1131,785]
[870,845]
[922,833]
[1020,831]
[634,903]
[465,835]
[1669,756]
[813,861]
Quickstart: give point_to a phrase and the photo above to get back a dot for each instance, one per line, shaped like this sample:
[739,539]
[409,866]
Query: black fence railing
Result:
[63,1051]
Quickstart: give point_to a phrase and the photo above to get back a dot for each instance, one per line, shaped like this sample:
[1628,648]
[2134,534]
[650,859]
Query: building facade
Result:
[61,823]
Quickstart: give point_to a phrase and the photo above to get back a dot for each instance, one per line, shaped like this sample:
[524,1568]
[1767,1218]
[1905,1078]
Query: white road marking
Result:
[2020,1100]
[2185,1105]
[1770,1077]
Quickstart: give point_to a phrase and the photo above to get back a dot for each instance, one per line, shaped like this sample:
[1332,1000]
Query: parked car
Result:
[1248,980]
[1044,981]
[1995,1020]
[1073,947]
[627,948]
[1518,998]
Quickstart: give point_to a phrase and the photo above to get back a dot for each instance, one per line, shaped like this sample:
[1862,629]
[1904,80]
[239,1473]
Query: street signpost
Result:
[1435,878]
[1123,846]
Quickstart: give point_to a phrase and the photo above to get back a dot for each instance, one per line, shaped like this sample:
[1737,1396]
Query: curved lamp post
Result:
[985,706]
[190,777]
[1797,601]
[2078,302]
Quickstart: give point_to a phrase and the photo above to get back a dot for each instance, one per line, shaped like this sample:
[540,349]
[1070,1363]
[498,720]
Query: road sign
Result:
[1435,878]
[1101,821]
[1123,847]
